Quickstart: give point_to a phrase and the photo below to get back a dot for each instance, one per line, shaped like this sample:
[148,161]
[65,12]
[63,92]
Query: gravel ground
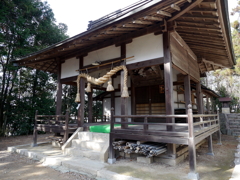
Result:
[218,167]
[16,167]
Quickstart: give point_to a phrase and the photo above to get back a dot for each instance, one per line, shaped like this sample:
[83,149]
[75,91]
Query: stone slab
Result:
[144,159]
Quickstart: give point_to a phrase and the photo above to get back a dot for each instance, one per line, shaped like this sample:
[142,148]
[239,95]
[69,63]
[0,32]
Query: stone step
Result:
[85,136]
[92,145]
[89,136]
[100,137]
[85,166]
[76,152]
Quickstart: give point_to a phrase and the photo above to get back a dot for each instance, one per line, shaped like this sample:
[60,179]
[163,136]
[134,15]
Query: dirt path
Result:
[16,167]
[218,167]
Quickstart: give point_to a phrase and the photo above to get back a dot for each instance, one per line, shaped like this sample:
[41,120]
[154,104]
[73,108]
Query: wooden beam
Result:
[164,13]
[198,28]
[133,25]
[194,34]
[153,18]
[199,23]
[213,63]
[151,62]
[215,19]
[142,22]
[59,90]
[176,7]
[185,9]
[200,32]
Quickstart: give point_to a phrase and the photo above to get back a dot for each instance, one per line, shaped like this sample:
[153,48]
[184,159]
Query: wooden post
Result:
[191,146]
[66,133]
[90,105]
[199,98]
[219,131]
[208,106]
[124,101]
[35,132]
[111,158]
[82,103]
[213,104]
[187,92]
[113,97]
[210,146]
[168,82]
[133,99]
[59,90]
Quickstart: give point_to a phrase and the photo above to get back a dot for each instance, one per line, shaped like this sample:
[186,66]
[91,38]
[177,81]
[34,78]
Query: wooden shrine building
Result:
[155,52]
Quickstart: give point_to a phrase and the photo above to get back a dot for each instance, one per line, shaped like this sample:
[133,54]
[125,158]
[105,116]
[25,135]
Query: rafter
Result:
[153,18]
[176,7]
[164,13]
[141,22]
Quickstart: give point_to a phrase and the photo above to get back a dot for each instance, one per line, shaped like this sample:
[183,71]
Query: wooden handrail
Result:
[204,115]
[150,116]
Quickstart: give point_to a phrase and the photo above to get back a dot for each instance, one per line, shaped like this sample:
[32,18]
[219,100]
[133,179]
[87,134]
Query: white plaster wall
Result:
[145,48]
[69,68]
[117,81]
[103,54]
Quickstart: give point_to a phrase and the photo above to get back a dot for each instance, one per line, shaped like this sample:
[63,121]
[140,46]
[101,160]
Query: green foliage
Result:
[25,27]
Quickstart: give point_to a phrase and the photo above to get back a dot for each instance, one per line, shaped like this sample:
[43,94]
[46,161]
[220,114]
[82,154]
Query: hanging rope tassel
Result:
[125,88]
[88,89]
[102,80]
[77,100]
[110,86]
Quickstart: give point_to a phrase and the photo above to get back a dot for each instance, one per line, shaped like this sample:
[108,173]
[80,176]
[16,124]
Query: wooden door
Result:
[149,100]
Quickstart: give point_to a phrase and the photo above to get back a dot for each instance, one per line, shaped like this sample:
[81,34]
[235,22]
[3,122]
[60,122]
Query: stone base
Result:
[111,161]
[171,161]
[144,159]
[193,176]
[210,154]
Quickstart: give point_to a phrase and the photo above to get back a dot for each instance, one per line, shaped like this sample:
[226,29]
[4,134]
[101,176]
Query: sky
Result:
[77,13]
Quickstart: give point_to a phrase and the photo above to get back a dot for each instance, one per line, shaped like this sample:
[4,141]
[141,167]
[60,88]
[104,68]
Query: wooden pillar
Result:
[112,157]
[168,82]
[213,105]
[187,92]
[207,104]
[124,101]
[199,98]
[90,105]
[191,146]
[113,96]
[210,146]
[219,131]
[59,91]
[82,103]
[133,99]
